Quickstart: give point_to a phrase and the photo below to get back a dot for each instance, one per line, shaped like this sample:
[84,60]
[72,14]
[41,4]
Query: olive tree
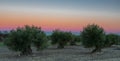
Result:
[21,39]
[75,40]
[119,40]
[61,38]
[111,39]
[93,36]
[0,36]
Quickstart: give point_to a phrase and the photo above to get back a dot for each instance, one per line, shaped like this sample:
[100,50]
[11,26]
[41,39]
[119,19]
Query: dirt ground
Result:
[69,53]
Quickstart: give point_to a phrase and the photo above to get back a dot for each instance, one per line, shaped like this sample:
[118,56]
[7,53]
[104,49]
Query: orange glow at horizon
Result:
[51,22]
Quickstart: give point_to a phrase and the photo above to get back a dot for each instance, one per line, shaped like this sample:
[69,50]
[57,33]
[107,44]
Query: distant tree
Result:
[93,36]
[111,39]
[61,38]
[49,37]
[0,36]
[76,39]
[119,40]
[40,41]
[21,39]
[3,35]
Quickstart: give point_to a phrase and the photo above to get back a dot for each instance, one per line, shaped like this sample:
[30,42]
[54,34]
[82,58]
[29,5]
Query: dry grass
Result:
[69,53]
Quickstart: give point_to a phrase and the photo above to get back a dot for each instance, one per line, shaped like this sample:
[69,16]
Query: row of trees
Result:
[23,38]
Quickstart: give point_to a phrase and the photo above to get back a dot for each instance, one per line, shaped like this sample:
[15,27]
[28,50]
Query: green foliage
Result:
[0,35]
[61,38]
[111,39]
[119,40]
[22,38]
[3,34]
[93,36]
[75,40]
[40,40]
[1,44]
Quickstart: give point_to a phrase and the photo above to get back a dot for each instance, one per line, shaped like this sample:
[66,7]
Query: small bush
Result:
[76,39]
[61,38]
[111,39]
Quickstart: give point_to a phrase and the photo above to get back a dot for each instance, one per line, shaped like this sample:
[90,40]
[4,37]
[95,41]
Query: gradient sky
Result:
[68,15]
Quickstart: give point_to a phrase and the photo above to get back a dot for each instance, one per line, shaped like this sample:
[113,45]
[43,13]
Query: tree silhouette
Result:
[93,36]
[111,39]
[21,39]
[61,38]
[76,39]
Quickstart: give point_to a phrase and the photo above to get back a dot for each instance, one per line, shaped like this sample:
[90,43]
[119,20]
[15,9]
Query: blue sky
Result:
[78,4]
[82,6]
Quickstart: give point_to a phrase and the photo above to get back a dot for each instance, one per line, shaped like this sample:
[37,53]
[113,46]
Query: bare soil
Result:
[69,53]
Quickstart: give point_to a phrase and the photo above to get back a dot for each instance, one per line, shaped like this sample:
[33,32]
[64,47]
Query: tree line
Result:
[92,36]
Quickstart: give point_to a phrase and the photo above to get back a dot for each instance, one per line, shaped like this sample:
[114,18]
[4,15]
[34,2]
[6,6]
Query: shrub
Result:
[119,40]
[111,39]
[75,40]
[61,38]
[93,36]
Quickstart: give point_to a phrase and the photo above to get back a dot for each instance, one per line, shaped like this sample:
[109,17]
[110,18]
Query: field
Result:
[69,53]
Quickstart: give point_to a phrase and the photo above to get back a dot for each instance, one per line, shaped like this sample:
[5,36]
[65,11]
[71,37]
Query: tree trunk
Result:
[38,47]
[27,51]
[60,45]
[72,43]
[97,49]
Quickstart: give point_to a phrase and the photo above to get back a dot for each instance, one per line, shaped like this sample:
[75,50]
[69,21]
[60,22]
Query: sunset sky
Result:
[67,15]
